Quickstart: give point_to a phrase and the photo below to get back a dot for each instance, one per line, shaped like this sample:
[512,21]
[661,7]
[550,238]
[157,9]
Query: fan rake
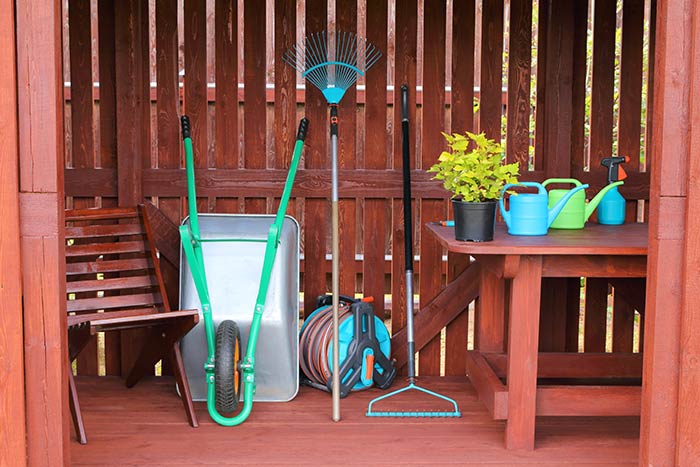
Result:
[333,66]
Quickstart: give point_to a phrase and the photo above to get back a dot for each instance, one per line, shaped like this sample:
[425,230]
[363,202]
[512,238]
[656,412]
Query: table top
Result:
[593,239]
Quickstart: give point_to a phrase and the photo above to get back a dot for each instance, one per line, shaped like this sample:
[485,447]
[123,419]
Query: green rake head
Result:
[412,386]
[332,65]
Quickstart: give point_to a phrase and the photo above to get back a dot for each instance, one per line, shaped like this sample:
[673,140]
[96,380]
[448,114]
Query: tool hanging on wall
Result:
[333,66]
[408,250]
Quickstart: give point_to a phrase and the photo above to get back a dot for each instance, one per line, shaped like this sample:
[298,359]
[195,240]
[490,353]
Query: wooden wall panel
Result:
[346,20]
[41,156]
[317,211]
[405,51]
[375,157]
[13,444]
[432,210]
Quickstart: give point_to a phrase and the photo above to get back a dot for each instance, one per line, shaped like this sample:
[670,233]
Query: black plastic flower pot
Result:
[474,222]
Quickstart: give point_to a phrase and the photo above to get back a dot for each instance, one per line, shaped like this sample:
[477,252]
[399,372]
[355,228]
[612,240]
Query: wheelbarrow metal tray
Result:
[234,271]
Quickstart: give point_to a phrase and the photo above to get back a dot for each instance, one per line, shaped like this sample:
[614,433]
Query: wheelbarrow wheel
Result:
[227,375]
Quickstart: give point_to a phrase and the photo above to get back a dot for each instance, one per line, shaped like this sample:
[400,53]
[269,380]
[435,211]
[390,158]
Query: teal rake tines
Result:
[332,70]
[408,250]
[333,66]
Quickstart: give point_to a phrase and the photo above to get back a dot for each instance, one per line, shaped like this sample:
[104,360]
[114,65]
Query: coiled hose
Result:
[315,338]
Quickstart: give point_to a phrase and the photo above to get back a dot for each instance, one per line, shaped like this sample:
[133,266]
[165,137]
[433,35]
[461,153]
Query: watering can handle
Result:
[502,206]
[561,180]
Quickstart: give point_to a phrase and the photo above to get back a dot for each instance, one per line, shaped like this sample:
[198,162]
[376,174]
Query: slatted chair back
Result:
[111,265]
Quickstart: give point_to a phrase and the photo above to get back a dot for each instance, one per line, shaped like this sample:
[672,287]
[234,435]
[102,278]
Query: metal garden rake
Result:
[333,66]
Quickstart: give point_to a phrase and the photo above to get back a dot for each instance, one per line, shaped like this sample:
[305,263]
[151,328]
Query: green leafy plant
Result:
[474,172]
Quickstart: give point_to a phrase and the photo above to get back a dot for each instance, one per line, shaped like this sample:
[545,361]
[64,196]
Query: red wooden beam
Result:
[41,156]
[672,246]
[13,444]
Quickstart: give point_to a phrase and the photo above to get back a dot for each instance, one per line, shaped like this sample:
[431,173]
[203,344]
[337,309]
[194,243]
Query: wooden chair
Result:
[113,282]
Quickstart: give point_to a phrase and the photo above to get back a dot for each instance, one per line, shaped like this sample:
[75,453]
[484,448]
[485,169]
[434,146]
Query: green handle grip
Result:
[561,180]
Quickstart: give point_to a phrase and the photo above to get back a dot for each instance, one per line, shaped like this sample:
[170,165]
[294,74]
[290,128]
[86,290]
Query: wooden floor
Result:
[146,426]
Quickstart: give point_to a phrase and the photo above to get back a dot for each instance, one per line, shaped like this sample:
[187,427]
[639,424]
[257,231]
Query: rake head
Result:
[436,414]
[332,65]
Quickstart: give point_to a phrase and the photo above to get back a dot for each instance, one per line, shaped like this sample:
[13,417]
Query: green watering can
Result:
[576,211]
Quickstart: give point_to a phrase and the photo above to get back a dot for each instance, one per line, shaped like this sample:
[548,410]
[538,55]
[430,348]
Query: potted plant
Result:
[473,170]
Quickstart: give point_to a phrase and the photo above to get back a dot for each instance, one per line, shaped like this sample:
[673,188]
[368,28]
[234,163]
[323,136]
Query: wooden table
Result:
[595,251]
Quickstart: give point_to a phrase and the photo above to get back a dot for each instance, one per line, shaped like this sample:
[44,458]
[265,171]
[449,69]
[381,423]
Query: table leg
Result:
[522,353]
[490,319]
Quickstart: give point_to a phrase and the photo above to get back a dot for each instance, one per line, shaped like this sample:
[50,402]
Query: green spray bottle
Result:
[612,208]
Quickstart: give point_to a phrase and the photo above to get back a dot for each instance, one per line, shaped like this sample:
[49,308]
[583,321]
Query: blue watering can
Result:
[529,214]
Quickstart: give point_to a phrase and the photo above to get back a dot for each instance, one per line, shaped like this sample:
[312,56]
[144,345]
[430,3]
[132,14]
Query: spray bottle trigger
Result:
[621,174]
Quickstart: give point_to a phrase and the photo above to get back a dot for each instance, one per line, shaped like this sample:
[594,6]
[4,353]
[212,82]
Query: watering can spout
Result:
[593,204]
[556,209]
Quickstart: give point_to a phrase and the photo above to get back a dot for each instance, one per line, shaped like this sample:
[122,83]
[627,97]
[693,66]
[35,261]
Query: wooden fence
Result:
[580,100]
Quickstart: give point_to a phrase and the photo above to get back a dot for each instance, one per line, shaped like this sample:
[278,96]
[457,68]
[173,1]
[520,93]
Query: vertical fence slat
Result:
[596,309]
[603,82]
[462,120]
[578,96]
[254,120]
[540,94]
[519,58]
[557,132]
[650,87]
[346,20]
[226,140]
[375,222]
[108,139]
[490,103]
[558,79]
[405,52]
[83,147]
[629,130]
[285,84]
[601,147]
[431,209]
[168,123]
[168,95]
[316,215]
[133,123]
[195,100]
[462,88]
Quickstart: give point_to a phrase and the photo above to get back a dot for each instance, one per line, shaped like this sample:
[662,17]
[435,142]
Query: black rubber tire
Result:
[227,374]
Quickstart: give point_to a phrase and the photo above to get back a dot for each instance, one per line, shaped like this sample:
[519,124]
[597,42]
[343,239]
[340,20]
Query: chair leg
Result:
[158,345]
[75,409]
[183,384]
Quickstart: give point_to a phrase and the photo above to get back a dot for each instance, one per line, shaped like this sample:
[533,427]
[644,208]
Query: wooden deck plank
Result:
[147,428]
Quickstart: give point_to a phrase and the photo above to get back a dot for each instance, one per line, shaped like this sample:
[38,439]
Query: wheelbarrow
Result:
[230,374]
